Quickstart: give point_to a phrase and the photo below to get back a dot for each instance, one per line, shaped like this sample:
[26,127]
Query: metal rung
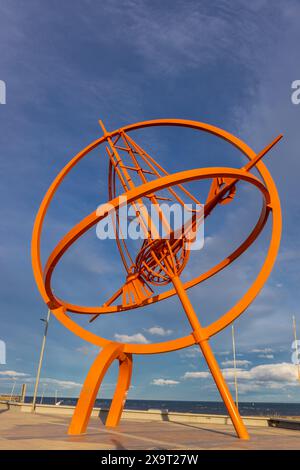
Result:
[116,139]
[133,168]
[148,172]
[125,149]
[161,198]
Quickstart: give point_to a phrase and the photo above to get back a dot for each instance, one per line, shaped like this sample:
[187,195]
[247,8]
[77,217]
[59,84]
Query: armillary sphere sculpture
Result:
[159,261]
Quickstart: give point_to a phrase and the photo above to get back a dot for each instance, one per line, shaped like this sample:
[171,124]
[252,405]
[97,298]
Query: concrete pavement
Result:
[40,431]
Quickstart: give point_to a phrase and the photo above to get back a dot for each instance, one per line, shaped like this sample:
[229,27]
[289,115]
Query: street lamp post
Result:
[235,371]
[13,389]
[296,347]
[40,361]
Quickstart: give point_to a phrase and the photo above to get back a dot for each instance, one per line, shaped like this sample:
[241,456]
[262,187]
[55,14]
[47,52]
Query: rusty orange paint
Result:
[159,262]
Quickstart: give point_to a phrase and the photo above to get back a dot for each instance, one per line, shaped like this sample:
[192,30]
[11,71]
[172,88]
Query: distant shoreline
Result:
[185,406]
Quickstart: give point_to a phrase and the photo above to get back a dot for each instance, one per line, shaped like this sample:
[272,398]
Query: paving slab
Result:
[49,432]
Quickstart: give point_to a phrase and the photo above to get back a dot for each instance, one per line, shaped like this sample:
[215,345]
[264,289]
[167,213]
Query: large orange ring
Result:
[271,203]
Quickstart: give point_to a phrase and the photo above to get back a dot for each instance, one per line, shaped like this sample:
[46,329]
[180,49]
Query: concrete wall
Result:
[137,415]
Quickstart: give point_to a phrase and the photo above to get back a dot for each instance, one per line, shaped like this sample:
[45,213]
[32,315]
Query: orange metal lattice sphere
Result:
[159,261]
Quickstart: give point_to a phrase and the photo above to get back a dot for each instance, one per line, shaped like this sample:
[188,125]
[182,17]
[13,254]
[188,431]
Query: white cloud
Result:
[188,35]
[87,350]
[223,353]
[137,338]
[163,382]
[190,352]
[239,363]
[13,374]
[259,378]
[26,378]
[262,351]
[65,384]
[159,331]
[266,356]
[196,375]
[275,376]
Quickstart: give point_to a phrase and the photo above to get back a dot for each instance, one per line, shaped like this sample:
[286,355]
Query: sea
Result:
[201,407]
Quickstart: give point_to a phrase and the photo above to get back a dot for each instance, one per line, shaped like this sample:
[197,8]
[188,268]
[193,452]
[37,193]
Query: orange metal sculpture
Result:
[159,261]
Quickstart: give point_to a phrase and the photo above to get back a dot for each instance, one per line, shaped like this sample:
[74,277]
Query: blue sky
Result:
[67,64]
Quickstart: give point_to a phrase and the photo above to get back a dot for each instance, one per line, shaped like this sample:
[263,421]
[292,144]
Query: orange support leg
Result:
[91,386]
[118,401]
[211,360]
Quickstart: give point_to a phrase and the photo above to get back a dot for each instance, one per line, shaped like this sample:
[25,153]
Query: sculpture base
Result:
[92,384]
